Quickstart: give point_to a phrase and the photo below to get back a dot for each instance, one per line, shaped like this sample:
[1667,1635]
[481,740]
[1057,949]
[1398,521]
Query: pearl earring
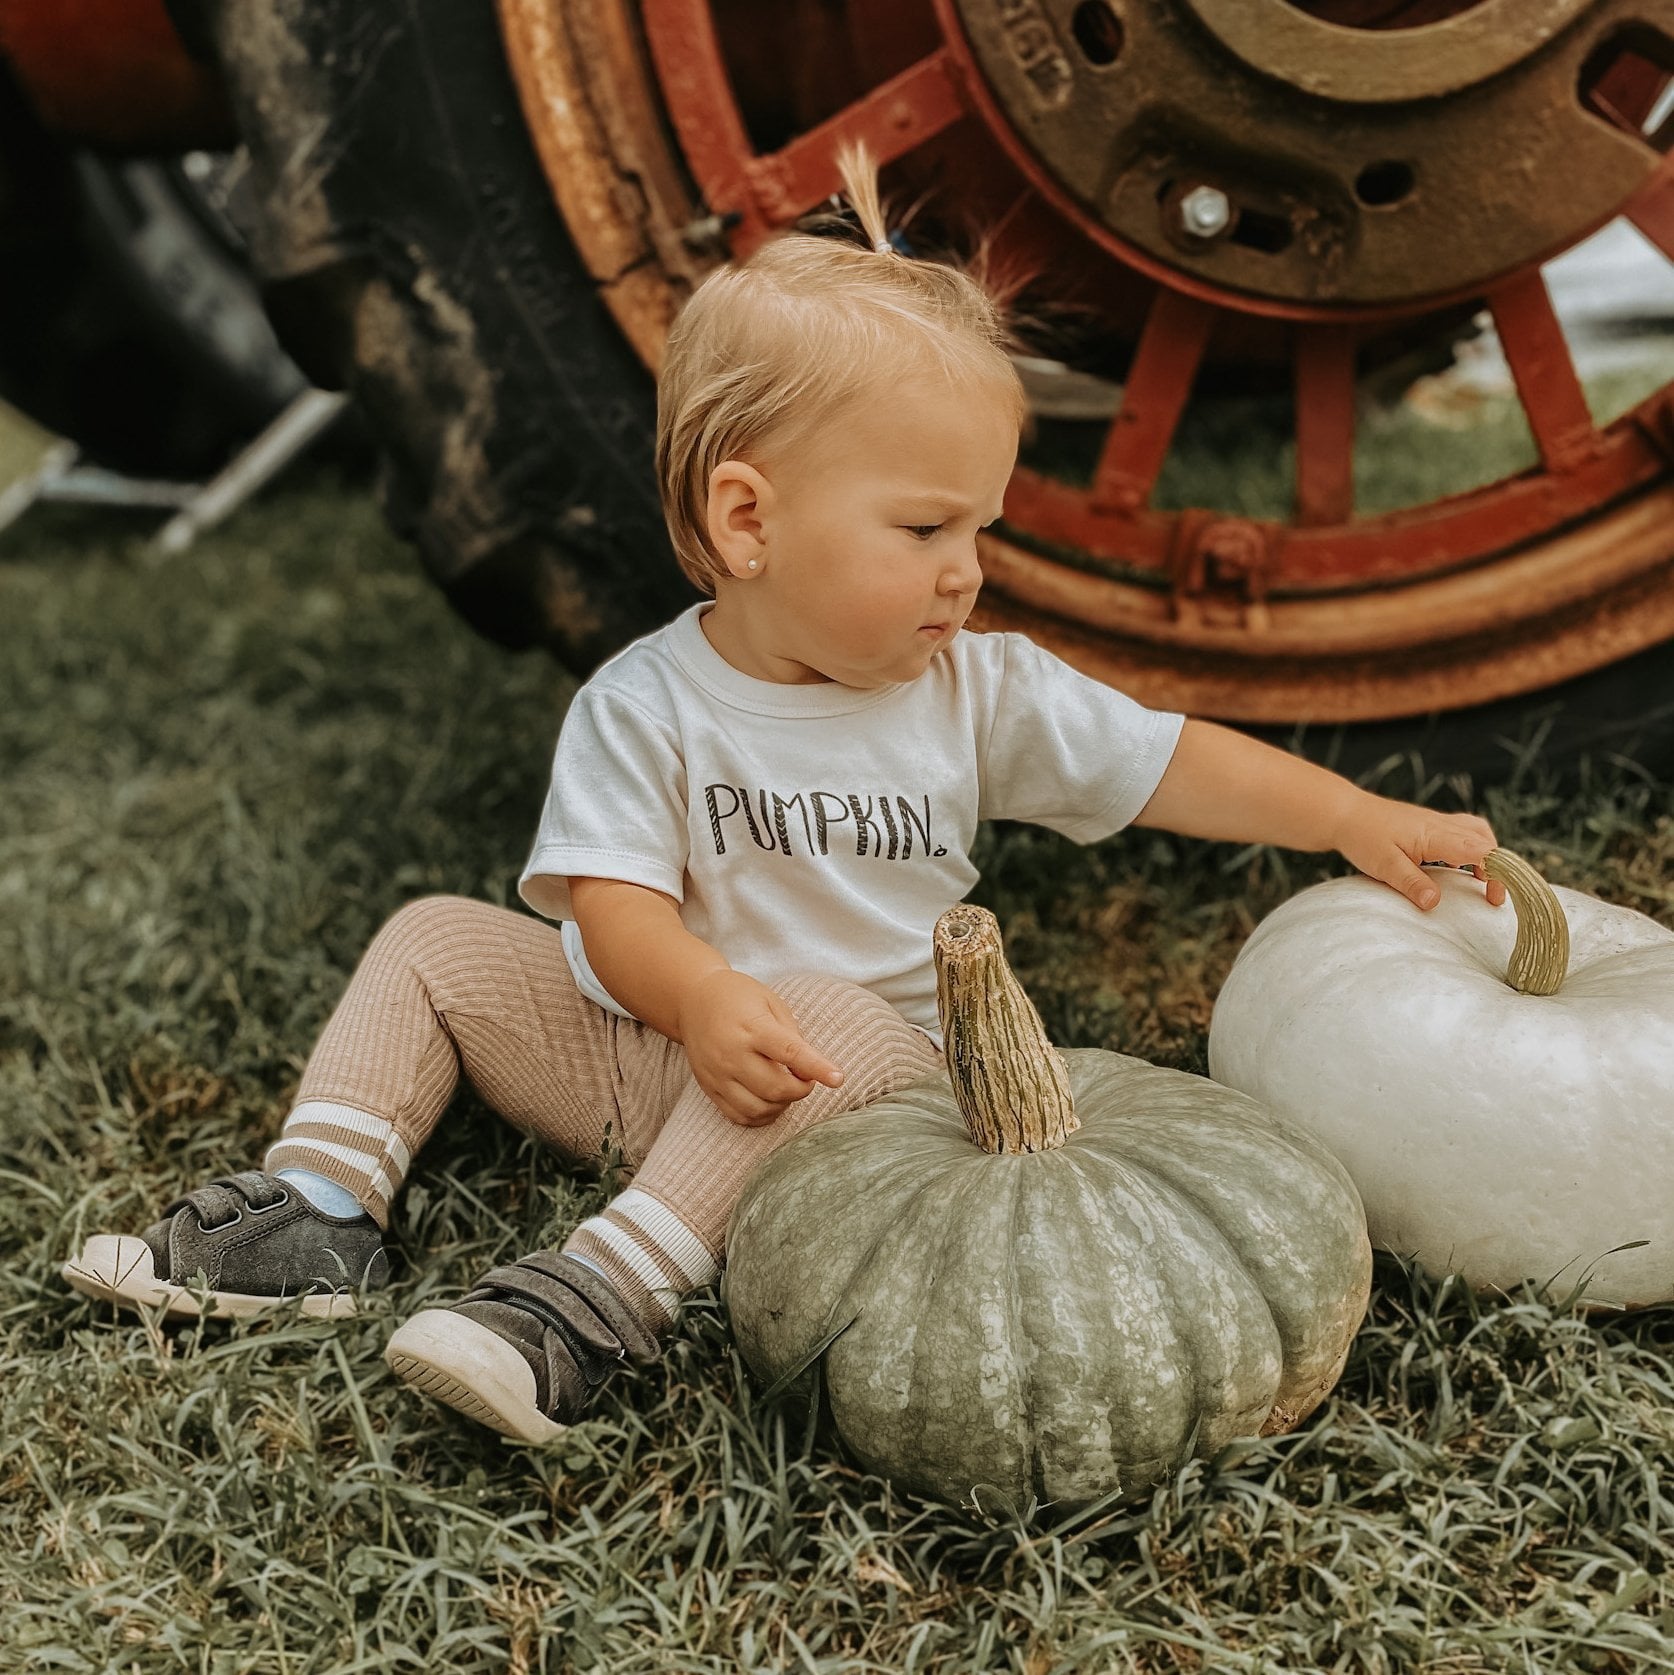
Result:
[752,564]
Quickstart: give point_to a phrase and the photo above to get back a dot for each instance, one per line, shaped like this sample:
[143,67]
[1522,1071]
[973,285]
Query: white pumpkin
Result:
[1494,1133]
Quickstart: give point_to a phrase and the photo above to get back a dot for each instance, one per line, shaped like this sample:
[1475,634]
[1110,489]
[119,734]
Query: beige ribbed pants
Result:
[451,985]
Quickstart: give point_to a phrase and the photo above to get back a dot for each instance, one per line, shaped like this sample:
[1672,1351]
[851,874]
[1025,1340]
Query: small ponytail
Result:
[860,186]
[1002,280]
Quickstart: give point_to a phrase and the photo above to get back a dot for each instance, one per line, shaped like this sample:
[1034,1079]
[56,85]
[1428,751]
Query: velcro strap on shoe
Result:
[568,1295]
[224,1198]
[638,1341]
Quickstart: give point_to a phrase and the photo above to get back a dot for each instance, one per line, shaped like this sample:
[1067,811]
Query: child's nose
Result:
[965,576]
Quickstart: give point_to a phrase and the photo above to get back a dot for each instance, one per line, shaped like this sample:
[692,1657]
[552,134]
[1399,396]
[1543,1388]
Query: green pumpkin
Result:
[1053,1274]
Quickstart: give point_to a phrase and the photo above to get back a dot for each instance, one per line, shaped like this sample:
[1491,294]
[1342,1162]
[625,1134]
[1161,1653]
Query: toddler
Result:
[756,816]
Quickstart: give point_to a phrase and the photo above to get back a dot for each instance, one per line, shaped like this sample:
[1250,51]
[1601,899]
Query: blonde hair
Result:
[768,348]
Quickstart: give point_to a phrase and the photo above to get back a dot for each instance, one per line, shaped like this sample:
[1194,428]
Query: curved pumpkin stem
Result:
[1540,956]
[1008,1079]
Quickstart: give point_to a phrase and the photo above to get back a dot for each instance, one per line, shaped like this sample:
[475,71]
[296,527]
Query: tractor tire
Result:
[410,254]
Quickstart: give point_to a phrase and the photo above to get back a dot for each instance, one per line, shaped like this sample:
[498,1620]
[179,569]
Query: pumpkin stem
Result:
[1011,1086]
[1540,956]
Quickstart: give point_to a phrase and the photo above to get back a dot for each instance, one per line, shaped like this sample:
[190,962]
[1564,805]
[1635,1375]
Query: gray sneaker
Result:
[526,1349]
[254,1240]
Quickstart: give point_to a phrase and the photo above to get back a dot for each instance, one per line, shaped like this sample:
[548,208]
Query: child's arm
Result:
[1224,784]
[742,1042]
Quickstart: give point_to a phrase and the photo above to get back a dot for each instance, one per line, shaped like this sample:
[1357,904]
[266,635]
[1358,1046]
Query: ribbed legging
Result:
[451,985]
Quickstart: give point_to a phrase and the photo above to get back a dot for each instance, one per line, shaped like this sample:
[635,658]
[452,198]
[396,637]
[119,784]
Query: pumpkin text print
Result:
[882,826]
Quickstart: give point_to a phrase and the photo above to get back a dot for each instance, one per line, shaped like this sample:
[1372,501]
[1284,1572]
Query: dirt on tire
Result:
[410,253]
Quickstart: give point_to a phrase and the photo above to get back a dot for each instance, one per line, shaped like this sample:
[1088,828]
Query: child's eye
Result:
[921,531]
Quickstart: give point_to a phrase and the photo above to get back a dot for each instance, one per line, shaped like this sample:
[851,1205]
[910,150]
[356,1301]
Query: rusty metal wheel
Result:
[1304,189]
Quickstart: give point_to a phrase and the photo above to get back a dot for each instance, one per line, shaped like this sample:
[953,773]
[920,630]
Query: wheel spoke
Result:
[892,119]
[1324,424]
[1651,208]
[1165,362]
[1547,385]
[772,190]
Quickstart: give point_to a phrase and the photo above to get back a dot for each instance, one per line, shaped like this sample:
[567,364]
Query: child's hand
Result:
[1388,840]
[745,1049]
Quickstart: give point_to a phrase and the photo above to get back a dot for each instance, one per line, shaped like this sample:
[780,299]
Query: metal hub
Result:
[1340,166]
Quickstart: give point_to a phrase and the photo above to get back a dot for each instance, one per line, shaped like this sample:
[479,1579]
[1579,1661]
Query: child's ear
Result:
[739,499]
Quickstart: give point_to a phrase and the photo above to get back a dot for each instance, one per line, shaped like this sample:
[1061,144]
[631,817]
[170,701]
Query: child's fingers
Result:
[742,1105]
[786,1046]
[733,1097]
[801,1060]
[1400,874]
[768,1079]
[1495,889]
[1463,841]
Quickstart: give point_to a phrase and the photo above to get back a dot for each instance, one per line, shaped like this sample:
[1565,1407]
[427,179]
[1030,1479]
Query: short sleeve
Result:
[1066,751]
[616,807]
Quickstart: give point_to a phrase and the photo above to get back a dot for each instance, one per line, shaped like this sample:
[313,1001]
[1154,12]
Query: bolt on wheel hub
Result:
[1272,154]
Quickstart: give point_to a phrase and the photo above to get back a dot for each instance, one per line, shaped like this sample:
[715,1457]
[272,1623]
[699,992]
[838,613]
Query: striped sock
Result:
[354,1148]
[646,1251]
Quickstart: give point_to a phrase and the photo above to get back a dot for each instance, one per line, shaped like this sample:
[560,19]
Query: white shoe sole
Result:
[459,1361]
[118,1268]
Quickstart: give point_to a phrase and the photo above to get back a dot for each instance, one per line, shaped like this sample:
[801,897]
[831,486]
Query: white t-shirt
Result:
[824,827]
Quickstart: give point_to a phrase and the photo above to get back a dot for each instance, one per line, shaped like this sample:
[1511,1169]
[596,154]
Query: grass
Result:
[221,773]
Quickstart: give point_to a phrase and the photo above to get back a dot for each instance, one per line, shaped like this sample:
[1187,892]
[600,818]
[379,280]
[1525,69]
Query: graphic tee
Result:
[824,827]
